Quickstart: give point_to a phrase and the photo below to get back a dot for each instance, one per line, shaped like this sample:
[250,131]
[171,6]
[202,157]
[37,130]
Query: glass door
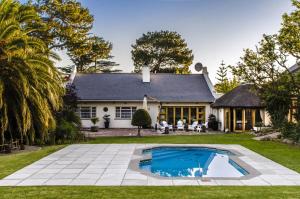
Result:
[238,119]
[227,119]
[193,115]
[248,119]
[185,115]
[177,114]
[170,115]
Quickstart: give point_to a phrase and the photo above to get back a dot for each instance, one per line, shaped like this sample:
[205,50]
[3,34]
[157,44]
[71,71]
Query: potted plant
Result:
[94,120]
[106,118]
[212,122]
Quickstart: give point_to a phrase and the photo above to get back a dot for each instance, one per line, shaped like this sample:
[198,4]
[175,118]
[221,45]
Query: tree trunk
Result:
[139,132]
[2,138]
[22,147]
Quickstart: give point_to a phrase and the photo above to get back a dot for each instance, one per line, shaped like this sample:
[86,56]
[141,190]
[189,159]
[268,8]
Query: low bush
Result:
[291,131]
[67,128]
[212,122]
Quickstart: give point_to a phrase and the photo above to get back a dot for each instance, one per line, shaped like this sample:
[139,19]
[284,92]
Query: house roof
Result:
[294,68]
[241,97]
[163,87]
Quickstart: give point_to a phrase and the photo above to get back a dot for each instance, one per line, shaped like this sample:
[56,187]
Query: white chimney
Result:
[205,71]
[146,74]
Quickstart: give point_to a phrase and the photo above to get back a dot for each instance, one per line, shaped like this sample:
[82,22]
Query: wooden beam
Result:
[174,115]
[243,118]
[234,120]
[253,117]
[189,118]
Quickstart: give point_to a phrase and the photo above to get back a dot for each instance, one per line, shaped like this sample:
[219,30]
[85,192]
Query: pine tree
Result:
[222,73]
[224,84]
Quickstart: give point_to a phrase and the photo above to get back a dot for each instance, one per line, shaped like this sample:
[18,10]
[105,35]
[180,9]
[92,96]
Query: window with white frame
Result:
[86,112]
[125,112]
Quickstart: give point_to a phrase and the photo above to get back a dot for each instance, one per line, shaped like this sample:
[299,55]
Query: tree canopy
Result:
[66,25]
[266,68]
[93,56]
[30,85]
[66,22]
[289,33]
[163,51]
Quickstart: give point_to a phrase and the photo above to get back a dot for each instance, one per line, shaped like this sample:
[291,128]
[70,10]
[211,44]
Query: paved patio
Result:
[144,132]
[108,165]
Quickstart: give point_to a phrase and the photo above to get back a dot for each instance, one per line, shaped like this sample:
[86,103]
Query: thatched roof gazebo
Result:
[240,109]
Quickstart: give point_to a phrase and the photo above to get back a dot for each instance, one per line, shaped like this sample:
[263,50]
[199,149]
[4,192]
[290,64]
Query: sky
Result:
[215,30]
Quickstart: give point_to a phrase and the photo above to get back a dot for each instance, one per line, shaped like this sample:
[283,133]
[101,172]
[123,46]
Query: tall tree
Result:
[30,85]
[163,51]
[222,72]
[93,56]
[67,23]
[266,69]
[225,84]
[289,34]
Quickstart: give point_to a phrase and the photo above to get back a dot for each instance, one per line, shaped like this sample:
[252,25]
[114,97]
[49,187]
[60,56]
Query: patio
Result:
[144,132]
[108,165]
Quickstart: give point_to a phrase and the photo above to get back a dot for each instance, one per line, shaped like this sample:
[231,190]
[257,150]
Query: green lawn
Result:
[149,192]
[14,162]
[286,155]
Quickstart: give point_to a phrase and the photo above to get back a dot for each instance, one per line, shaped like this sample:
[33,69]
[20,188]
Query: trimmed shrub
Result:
[141,118]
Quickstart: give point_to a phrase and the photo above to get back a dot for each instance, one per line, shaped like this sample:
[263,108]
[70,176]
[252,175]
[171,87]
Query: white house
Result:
[170,97]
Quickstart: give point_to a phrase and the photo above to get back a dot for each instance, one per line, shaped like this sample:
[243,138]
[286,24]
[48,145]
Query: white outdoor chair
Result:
[193,126]
[199,128]
[180,125]
[163,126]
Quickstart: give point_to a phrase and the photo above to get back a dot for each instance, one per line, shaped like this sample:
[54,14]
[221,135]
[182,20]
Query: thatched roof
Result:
[240,97]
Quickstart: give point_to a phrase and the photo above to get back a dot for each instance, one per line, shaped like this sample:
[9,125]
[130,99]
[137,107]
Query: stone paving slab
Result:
[108,165]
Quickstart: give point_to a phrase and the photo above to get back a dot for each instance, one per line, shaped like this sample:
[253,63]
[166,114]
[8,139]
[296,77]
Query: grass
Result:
[286,155]
[14,162]
[149,192]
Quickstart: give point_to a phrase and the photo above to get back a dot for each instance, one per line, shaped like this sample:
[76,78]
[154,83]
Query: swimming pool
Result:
[191,162]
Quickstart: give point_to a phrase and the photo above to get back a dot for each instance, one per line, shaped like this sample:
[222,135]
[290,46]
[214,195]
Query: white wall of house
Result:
[267,119]
[153,109]
[219,113]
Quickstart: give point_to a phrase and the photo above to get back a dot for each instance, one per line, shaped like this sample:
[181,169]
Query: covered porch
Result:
[240,110]
[243,119]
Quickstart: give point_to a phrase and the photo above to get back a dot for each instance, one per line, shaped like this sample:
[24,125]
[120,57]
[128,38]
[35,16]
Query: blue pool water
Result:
[191,162]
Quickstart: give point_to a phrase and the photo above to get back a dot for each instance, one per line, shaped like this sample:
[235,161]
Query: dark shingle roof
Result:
[241,96]
[127,86]
[294,68]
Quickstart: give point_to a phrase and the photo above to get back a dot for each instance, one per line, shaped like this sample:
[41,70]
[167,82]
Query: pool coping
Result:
[234,155]
[108,165]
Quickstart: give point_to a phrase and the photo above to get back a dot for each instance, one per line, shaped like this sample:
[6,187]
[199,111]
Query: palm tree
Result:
[30,85]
